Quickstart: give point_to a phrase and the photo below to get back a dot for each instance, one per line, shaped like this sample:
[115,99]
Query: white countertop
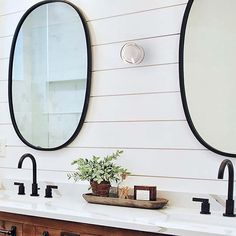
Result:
[171,220]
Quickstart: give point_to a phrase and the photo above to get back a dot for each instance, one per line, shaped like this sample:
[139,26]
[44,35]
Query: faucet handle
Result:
[48,190]
[229,210]
[21,189]
[35,189]
[205,206]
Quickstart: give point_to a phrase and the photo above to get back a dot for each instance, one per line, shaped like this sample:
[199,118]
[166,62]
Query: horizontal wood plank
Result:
[127,27]
[170,134]
[162,50]
[142,107]
[150,79]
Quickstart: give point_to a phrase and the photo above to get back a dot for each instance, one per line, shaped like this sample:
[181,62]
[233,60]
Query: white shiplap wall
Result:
[134,108]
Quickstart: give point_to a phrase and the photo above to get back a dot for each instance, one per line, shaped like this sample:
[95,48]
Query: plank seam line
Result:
[136,39]
[136,12]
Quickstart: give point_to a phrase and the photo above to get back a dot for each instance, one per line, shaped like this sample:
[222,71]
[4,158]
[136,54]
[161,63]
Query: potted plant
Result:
[100,172]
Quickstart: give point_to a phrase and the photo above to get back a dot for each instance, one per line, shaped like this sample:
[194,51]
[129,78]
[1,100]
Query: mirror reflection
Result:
[208,73]
[49,75]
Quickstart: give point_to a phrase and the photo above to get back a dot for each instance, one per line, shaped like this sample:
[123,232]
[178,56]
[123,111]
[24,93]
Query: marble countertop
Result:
[169,220]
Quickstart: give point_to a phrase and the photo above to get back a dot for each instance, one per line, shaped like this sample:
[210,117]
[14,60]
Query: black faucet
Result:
[34,184]
[229,211]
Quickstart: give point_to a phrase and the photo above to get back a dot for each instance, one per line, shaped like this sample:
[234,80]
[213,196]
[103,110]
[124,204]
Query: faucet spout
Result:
[34,184]
[229,202]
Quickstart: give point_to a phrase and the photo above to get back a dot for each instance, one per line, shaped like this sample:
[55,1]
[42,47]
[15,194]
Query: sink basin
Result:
[9,199]
[57,203]
[216,219]
[215,223]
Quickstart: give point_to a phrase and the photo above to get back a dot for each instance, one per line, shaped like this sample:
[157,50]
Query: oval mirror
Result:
[208,73]
[49,75]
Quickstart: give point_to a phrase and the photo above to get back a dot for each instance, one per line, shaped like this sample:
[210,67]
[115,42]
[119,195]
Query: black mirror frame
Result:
[88,82]
[182,85]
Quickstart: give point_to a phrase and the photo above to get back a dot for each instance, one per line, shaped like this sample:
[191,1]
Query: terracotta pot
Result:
[101,189]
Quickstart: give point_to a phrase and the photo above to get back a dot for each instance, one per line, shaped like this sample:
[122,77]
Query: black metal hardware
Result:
[205,206]
[34,184]
[45,233]
[229,210]
[35,190]
[21,189]
[68,234]
[11,232]
[48,190]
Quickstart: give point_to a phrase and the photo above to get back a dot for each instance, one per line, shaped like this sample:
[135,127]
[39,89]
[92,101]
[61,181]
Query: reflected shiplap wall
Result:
[134,108]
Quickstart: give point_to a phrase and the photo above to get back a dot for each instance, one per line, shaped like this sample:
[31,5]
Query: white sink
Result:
[213,224]
[215,218]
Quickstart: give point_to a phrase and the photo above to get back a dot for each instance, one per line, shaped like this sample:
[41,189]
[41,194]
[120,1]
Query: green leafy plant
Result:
[99,169]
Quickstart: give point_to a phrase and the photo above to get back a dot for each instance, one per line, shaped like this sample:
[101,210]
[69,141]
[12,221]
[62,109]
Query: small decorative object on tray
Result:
[150,190]
[123,192]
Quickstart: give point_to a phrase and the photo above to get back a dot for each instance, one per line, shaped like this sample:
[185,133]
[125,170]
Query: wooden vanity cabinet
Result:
[38,226]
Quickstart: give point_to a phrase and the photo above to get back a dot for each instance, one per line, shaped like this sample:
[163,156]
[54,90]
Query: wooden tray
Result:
[159,203]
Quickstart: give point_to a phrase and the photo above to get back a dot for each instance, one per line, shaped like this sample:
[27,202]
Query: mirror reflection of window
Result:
[49,75]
